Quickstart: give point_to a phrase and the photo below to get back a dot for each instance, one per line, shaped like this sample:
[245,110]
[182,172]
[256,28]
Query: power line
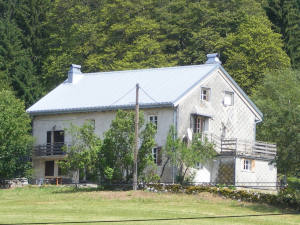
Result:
[122,96]
[148,95]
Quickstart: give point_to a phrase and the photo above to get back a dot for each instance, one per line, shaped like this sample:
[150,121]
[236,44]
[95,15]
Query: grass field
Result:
[62,205]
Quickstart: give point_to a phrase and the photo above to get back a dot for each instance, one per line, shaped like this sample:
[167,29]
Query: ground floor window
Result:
[199,165]
[156,155]
[248,164]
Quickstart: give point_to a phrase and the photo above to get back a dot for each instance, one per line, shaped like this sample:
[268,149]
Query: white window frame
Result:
[199,165]
[230,95]
[247,165]
[205,94]
[153,119]
[201,124]
[154,155]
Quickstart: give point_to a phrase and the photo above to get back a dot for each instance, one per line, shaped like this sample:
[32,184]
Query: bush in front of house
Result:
[285,198]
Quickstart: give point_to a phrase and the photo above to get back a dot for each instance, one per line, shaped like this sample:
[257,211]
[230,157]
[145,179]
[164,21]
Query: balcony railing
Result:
[55,149]
[235,146]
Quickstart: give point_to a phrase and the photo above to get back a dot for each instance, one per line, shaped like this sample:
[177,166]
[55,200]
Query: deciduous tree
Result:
[15,138]
[279,99]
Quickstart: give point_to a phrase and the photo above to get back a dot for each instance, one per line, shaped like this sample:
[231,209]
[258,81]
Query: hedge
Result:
[285,197]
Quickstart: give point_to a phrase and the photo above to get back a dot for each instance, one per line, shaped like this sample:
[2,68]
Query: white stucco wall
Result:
[42,124]
[239,118]
[263,174]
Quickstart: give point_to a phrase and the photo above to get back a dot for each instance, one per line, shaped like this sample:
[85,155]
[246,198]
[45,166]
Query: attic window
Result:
[205,94]
[228,98]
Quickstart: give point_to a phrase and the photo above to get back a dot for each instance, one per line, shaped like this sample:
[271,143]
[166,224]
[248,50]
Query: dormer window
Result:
[205,94]
[228,98]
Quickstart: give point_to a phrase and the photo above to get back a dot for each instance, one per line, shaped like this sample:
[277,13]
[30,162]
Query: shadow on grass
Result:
[74,189]
[265,208]
[155,219]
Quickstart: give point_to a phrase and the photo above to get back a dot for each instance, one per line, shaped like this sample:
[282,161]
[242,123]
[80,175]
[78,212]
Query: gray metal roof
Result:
[160,87]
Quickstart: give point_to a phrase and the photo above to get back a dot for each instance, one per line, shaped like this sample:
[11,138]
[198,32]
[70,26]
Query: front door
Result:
[49,168]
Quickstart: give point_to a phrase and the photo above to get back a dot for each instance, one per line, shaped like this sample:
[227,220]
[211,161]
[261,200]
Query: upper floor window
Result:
[205,94]
[228,98]
[153,120]
[200,124]
[55,137]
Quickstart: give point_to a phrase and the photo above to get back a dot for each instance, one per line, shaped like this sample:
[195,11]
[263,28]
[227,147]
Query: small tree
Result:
[15,138]
[171,149]
[199,151]
[186,155]
[118,146]
[82,154]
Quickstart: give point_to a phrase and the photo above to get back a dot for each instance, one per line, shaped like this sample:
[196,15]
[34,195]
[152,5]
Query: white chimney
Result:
[213,59]
[74,74]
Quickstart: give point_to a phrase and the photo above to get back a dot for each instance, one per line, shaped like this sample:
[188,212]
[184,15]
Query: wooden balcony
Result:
[234,146]
[55,149]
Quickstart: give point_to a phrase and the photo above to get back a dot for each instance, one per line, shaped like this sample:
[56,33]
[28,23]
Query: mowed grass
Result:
[62,205]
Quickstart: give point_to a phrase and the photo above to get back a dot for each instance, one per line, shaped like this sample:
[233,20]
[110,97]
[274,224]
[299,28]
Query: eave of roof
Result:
[100,108]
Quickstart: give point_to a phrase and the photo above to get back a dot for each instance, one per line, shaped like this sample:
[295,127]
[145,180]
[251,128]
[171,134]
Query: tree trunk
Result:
[163,168]
[184,174]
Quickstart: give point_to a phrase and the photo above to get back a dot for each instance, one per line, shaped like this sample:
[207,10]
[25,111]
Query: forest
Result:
[258,42]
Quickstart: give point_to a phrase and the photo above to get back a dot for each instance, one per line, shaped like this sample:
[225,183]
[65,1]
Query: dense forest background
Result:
[39,39]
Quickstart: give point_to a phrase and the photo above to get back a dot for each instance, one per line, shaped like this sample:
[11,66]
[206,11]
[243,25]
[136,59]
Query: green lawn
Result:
[59,205]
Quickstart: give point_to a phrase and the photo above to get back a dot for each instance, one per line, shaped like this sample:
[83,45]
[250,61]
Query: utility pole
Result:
[136,147]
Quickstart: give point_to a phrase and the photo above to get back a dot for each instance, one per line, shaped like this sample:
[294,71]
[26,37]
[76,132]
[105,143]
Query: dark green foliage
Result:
[107,35]
[16,67]
[279,99]
[285,15]
[19,48]
[15,140]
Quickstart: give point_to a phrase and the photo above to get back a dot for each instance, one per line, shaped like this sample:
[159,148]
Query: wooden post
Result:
[136,138]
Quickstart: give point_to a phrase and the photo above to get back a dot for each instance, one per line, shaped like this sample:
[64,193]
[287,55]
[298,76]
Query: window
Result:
[54,137]
[205,94]
[156,155]
[228,98]
[200,124]
[153,119]
[55,142]
[199,165]
[248,164]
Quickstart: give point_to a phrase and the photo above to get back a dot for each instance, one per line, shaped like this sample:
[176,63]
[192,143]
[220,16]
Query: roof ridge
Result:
[147,69]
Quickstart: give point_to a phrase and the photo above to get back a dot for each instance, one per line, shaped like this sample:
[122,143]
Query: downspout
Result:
[175,127]
[256,122]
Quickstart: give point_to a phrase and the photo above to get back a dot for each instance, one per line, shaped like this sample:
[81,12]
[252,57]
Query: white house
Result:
[199,98]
